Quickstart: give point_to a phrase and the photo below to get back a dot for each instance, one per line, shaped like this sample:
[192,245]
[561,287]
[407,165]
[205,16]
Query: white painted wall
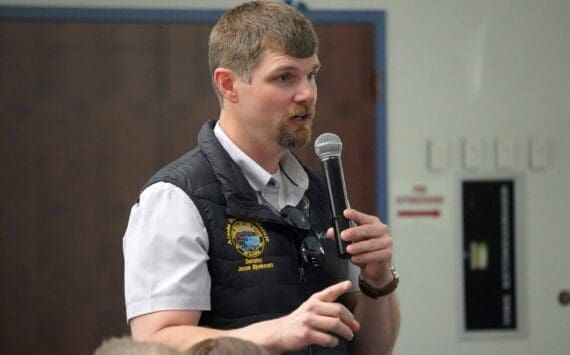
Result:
[479,70]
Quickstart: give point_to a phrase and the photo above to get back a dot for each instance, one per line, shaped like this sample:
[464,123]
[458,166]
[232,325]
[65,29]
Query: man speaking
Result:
[234,238]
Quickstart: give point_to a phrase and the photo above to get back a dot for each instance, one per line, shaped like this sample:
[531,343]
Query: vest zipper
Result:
[301,274]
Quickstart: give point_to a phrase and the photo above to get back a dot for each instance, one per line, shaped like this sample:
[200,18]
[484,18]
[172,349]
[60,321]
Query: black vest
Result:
[255,263]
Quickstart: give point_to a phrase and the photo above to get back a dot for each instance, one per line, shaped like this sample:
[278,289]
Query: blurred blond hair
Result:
[127,346]
[226,346]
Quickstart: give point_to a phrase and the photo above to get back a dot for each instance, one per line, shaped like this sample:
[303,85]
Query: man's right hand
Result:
[320,320]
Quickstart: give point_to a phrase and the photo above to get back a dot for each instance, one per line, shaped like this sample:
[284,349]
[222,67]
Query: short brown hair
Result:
[244,32]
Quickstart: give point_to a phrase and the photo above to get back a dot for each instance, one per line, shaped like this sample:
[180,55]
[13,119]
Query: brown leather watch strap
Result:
[373,292]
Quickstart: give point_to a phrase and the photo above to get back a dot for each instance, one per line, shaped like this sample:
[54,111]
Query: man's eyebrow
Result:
[294,68]
[285,68]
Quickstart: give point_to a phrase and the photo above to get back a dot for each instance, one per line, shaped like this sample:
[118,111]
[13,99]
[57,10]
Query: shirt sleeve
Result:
[165,250]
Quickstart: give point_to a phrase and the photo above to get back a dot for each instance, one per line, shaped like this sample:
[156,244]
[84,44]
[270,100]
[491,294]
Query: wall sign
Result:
[420,202]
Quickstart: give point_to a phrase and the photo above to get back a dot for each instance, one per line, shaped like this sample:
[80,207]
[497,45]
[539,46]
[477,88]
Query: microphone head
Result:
[328,145]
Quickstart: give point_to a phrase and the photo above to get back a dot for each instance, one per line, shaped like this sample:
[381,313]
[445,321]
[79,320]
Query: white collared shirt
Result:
[286,187]
[166,243]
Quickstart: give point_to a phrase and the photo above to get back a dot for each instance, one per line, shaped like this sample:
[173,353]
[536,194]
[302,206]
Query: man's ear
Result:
[225,81]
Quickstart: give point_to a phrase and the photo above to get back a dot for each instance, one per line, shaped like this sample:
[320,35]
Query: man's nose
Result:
[306,92]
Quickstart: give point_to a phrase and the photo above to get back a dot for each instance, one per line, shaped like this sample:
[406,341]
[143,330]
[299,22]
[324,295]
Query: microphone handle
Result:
[338,198]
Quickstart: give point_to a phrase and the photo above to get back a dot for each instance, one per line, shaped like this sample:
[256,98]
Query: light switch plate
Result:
[471,153]
[505,150]
[437,154]
[539,154]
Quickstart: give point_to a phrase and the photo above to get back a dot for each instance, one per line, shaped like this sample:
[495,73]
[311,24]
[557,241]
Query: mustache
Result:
[301,109]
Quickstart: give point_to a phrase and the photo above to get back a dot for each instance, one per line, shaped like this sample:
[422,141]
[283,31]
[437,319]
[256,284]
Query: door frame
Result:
[375,18]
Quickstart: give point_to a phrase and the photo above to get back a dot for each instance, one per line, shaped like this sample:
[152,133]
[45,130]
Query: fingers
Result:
[331,320]
[330,233]
[369,245]
[323,339]
[371,241]
[331,293]
[359,218]
[334,310]
[330,325]
[330,316]
[319,320]
[367,226]
[377,256]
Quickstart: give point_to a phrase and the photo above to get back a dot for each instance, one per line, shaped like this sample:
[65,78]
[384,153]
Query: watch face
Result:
[395,273]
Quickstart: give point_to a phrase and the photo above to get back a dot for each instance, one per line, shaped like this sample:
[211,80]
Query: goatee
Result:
[295,136]
[299,137]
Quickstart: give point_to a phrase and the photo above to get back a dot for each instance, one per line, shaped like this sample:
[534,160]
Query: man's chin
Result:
[305,140]
[300,138]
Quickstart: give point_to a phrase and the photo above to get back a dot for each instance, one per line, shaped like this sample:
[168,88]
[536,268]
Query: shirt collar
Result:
[258,177]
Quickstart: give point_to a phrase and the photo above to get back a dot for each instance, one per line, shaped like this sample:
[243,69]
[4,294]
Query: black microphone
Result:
[328,148]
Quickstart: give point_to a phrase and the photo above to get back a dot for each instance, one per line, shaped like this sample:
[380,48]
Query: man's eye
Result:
[312,76]
[284,77]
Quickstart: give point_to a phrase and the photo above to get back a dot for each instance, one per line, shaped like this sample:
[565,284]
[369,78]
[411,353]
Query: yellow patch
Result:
[249,239]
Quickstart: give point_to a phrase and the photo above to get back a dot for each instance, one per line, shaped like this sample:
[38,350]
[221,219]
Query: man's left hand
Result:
[370,246]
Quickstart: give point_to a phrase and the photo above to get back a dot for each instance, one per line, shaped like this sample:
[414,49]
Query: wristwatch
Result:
[374,292]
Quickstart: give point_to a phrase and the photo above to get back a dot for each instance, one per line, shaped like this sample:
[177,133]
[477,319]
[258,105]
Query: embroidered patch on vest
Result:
[249,239]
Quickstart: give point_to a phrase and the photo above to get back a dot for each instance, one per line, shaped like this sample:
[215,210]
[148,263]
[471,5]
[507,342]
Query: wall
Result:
[479,70]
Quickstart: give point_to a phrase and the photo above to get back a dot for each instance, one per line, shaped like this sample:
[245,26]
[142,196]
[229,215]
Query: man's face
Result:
[278,105]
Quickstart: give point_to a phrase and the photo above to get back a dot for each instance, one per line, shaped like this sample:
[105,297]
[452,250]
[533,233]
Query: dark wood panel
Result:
[345,106]
[87,113]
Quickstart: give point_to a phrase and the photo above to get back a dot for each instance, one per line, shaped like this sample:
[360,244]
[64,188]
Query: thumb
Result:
[331,293]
